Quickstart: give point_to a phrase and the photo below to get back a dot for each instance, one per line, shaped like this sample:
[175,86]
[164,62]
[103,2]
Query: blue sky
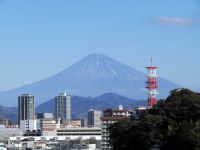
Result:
[39,38]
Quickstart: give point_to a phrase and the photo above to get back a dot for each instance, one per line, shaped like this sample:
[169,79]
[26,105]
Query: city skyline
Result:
[40,39]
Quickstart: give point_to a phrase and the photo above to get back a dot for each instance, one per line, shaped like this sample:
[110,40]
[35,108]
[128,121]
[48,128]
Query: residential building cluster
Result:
[58,130]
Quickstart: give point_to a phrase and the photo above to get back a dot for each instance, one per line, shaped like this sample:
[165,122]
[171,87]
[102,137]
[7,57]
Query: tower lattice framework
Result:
[151,84]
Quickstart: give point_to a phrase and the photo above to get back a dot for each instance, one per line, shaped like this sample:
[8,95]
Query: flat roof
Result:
[6,132]
[113,118]
[119,110]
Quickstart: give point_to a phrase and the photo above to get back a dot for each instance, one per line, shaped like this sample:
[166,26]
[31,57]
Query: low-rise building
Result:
[44,115]
[109,117]
[54,142]
[139,112]
[84,147]
[48,127]
[13,126]
[76,123]
[89,132]
[79,122]
[40,116]
[5,122]
[28,125]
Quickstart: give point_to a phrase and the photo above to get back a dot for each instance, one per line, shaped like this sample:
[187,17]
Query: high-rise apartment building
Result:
[26,112]
[26,107]
[63,108]
[109,117]
[94,118]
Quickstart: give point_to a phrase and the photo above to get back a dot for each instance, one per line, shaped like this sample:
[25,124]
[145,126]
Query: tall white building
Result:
[63,108]
[26,112]
[94,118]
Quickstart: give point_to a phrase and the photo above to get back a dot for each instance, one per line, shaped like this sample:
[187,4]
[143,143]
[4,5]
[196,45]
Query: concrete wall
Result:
[28,125]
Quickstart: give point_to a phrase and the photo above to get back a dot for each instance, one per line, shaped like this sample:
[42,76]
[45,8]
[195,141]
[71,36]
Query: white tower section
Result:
[151,84]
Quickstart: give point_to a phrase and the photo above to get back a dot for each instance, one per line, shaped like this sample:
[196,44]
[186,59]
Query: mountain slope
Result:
[10,113]
[81,105]
[91,76]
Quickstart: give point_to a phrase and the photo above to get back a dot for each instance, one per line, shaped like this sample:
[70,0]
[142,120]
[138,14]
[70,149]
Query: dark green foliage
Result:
[186,137]
[183,105]
[174,123]
[130,134]
[182,109]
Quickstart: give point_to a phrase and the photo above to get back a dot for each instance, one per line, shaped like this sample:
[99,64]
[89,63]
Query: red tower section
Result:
[151,85]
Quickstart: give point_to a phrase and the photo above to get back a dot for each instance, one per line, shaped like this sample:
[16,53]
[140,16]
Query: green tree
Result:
[175,123]
[128,135]
[119,132]
[183,104]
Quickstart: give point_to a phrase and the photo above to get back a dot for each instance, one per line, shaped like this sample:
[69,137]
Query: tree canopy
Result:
[173,124]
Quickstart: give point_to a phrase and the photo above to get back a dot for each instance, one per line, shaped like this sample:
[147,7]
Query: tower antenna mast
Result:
[151,85]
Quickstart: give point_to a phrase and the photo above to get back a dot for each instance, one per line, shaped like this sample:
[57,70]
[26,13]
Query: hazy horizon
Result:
[42,38]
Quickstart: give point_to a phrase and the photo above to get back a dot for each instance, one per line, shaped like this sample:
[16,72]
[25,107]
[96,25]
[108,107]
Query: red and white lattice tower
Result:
[151,85]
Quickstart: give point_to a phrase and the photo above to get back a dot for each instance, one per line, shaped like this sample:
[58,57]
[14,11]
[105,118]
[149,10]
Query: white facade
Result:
[49,142]
[48,133]
[48,115]
[109,117]
[48,127]
[28,125]
[81,132]
[2,126]
[84,147]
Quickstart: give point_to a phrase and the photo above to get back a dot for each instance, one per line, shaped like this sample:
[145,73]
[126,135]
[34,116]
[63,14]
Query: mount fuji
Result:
[91,76]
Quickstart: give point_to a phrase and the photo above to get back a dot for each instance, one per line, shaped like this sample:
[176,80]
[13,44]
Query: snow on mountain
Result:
[91,76]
